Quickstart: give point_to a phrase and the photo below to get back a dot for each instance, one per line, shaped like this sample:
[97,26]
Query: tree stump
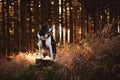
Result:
[43,62]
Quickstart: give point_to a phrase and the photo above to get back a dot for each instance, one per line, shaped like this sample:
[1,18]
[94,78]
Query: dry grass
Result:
[93,59]
[16,63]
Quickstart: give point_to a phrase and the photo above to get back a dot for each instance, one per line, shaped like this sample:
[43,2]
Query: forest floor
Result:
[91,59]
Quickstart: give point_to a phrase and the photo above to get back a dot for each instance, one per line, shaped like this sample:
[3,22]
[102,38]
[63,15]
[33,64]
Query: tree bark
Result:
[4,47]
[23,26]
[16,28]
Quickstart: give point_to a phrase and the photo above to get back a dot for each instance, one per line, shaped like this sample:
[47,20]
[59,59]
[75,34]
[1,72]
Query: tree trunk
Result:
[45,11]
[16,28]
[71,24]
[4,47]
[30,27]
[23,26]
[8,26]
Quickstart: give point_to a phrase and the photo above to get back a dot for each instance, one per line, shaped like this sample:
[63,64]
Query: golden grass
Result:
[74,57]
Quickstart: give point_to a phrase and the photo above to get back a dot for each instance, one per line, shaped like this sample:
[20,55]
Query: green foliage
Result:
[32,72]
[26,74]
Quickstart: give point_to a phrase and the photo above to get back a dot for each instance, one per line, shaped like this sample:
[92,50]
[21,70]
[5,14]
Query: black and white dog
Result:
[46,40]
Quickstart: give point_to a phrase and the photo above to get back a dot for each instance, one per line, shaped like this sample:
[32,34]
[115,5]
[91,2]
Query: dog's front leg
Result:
[40,49]
[48,44]
[41,53]
[51,52]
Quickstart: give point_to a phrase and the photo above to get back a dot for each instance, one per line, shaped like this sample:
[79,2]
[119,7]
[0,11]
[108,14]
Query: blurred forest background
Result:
[87,33]
[71,20]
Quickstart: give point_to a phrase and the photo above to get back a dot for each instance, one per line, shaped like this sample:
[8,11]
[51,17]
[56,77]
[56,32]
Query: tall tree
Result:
[71,23]
[23,34]
[3,29]
[16,26]
[30,25]
[45,9]
[8,26]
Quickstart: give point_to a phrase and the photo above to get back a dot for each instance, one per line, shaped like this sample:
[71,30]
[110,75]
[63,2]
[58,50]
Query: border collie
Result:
[46,40]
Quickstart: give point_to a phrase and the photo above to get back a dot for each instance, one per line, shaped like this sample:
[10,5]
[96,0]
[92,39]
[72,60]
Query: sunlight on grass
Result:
[72,62]
[27,57]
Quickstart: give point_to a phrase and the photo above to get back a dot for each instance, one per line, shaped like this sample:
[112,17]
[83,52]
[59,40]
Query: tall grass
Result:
[92,59]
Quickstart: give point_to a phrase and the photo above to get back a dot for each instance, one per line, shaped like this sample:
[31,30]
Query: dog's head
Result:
[45,31]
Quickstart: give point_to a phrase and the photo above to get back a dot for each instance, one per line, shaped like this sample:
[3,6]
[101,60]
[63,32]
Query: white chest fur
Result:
[48,42]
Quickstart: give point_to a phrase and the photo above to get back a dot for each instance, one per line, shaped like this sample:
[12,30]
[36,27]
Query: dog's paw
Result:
[40,57]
